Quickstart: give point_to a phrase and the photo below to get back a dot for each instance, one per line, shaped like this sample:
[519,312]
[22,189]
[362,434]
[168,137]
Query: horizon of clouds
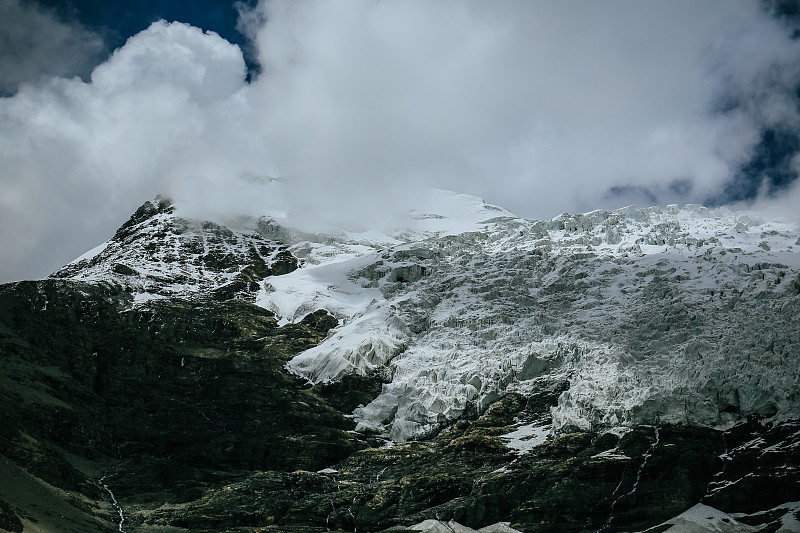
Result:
[537,107]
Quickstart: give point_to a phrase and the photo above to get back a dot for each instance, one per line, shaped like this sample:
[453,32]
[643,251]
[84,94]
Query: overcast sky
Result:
[537,106]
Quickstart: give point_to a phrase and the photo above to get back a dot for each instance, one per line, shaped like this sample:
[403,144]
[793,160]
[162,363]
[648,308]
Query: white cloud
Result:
[537,106]
[78,157]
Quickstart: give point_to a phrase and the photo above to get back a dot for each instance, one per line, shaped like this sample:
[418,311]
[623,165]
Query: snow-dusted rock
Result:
[437,526]
[159,254]
[702,518]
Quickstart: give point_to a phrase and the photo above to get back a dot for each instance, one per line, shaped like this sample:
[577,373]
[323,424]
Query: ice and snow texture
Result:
[650,315]
[644,315]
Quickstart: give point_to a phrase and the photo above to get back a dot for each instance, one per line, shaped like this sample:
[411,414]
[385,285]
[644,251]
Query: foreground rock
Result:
[162,398]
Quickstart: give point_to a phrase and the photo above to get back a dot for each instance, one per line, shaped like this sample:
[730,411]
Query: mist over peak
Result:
[538,108]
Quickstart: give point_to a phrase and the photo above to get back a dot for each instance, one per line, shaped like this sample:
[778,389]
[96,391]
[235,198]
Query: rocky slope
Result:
[615,371]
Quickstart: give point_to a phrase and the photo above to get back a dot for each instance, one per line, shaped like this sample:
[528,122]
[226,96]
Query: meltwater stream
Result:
[115,503]
[645,457]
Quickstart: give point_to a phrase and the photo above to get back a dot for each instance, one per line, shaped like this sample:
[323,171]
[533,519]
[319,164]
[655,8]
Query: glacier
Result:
[657,315]
[682,315]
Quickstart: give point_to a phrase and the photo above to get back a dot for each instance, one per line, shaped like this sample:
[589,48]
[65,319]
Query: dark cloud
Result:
[762,83]
[674,192]
[630,194]
[787,12]
[35,43]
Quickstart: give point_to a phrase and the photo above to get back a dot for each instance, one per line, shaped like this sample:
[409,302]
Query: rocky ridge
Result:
[157,254]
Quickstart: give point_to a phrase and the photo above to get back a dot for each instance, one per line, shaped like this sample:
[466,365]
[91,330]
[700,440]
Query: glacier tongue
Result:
[648,315]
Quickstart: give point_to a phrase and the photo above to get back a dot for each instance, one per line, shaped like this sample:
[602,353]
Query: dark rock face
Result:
[167,397]
[759,467]
[8,519]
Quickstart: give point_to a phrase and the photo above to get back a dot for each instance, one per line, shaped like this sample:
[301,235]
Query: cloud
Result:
[532,104]
[539,107]
[78,157]
[35,44]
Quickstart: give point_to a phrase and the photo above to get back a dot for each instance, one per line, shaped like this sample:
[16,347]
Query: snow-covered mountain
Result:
[640,316]
[447,364]
[157,254]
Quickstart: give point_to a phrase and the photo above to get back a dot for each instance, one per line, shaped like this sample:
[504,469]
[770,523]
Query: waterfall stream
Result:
[115,503]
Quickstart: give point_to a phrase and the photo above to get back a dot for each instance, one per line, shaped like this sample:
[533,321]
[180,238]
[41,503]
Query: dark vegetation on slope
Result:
[185,407]
[167,396]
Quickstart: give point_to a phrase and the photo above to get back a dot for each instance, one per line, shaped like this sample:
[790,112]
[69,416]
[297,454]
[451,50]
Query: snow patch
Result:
[527,437]
[437,526]
[702,518]
[97,250]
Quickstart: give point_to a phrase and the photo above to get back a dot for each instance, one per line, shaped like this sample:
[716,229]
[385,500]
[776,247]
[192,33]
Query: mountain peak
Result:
[639,315]
[158,254]
[459,362]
